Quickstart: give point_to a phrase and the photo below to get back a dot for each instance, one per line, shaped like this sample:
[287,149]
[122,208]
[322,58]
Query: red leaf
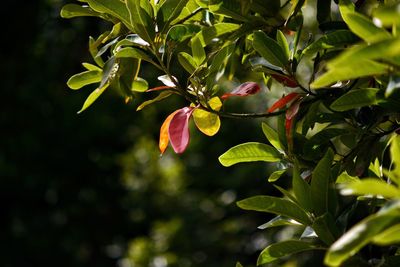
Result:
[285,80]
[164,136]
[293,109]
[245,89]
[178,129]
[283,101]
[159,88]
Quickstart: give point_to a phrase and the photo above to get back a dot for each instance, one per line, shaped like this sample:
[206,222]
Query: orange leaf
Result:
[164,136]
[283,101]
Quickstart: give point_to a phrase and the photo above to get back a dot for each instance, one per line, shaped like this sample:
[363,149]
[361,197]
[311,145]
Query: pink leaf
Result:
[245,89]
[283,101]
[179,129]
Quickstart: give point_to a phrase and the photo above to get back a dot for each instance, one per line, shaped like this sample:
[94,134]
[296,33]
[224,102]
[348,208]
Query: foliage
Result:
[333,131]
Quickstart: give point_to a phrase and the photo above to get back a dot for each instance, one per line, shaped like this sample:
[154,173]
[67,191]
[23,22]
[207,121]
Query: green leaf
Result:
[356,98]
[221,58]
[269,49]
[331,40]
[168,11]
[285,248]
[283,43]
[187,62]
[140,17]
[387,15]
[344,177]
[395,156]
[279,221]
[381,50]
[160,97]
[301,190]
[361,68]
[131,52]
[73,10]
[139,85]
[320,182]
[109,73]
[79,80]
[275,175]
[93,96]
[114,8]
[324,226]
[230,8]
[361,25]
[388,236]
[362,233]
[199,55]
[272,136]
[275,205]
[312,146]
[370,186]
[89,66]
[238,264]
[207,34]
[249,152]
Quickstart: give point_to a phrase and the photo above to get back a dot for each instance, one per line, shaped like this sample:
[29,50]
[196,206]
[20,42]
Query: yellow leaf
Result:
[207,122]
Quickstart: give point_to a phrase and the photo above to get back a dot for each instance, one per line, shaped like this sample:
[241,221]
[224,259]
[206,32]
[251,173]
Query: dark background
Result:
[91,189]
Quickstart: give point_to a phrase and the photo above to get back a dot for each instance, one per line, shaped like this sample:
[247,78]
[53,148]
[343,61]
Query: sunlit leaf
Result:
[160,97]
[283,43]
[199,55]
[114,8]
[272,136]
[249,152]
[109,72]
[279,221]
[187,62]
[245,89]
[275,205]
[388,236]
[275,175]
[73,10]
[278,250]
[355,99]
[346,72]
[362,233]
[387,15]
[168,11]
[178,130]
[361,25]
[93,96]
[131,52]
[140,16]
[139,85]
[79,80]
[207,122]
[371,186]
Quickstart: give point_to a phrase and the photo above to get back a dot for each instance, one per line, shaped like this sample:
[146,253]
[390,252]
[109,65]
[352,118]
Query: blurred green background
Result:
[91,189]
